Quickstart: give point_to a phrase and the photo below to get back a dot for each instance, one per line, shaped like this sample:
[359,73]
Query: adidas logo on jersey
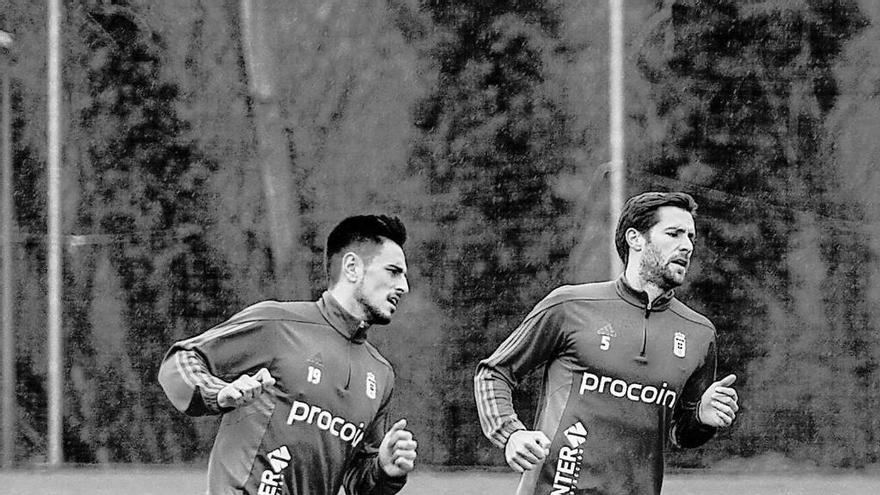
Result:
[316,360]
[635,392]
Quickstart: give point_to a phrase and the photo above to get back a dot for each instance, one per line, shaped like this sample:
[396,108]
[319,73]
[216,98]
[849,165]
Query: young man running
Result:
[626,367]
[303,395]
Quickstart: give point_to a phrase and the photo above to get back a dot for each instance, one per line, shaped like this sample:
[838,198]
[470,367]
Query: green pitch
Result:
[166,481]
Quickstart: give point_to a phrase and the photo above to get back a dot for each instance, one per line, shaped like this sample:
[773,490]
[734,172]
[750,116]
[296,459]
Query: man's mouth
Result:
[680,262]
[394,300]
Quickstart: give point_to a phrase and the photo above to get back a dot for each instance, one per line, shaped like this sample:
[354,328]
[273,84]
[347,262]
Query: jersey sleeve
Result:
[537,340]
[189,385]
[195,370]
[364,475]
[687,429]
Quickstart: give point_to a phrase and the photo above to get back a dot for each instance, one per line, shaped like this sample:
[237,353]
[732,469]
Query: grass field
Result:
[168,481]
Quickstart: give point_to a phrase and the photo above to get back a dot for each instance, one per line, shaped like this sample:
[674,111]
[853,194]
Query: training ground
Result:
[424,481]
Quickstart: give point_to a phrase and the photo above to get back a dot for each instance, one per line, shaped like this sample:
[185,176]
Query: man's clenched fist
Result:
[397,454]
[525,449]
[718,405]
[245,389]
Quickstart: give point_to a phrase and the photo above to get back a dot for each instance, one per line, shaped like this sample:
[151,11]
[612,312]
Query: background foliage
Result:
[483,125]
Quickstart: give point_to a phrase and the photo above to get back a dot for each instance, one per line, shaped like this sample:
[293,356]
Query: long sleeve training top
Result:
[620,378]
[318,428]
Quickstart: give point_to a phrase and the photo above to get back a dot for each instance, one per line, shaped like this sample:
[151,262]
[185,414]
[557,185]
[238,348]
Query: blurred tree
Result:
[345,80]
[851,148]
[141,186]
[483,125]
[273,150]
[494,140]
[741,91]
[203,57]
[28,22]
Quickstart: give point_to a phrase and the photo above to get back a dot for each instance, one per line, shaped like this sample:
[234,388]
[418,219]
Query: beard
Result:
[374,315]
[653,269]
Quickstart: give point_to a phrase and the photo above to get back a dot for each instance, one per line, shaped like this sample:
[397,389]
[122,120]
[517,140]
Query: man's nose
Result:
[687,245]
[403,287]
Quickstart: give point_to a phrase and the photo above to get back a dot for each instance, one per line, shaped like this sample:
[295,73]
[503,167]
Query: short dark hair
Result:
[361,229]
[640,213]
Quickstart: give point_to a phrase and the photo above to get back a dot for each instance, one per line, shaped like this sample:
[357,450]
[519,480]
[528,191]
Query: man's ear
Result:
[352,267]
[634,239]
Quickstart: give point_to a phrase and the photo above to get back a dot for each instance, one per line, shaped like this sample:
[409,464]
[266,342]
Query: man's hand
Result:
[245,389]
[397,453]
[718,405]
[525,449]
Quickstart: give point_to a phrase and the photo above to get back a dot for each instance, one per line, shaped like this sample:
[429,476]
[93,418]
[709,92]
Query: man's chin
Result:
[380,319]
[672,281]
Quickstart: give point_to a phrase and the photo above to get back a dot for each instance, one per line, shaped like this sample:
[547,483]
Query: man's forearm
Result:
[188,383]
[689,431]
[366,477]
[495,406]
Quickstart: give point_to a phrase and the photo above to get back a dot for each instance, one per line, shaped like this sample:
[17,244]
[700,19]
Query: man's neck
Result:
[638,283]
[345,297]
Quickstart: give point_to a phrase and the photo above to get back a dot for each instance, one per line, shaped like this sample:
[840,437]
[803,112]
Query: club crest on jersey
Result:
[371,385]
[679,345]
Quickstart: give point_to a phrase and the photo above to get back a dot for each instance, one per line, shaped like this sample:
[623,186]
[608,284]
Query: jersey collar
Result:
[353,329]
[640,298]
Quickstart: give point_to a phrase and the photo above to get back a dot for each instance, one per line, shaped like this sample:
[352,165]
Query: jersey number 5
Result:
[605,343]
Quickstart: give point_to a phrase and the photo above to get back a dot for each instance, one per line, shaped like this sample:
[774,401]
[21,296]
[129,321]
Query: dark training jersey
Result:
[620,377]
[318,428]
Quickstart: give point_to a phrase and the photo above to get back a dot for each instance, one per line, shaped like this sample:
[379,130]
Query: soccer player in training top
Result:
[627,366]
[303,395]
